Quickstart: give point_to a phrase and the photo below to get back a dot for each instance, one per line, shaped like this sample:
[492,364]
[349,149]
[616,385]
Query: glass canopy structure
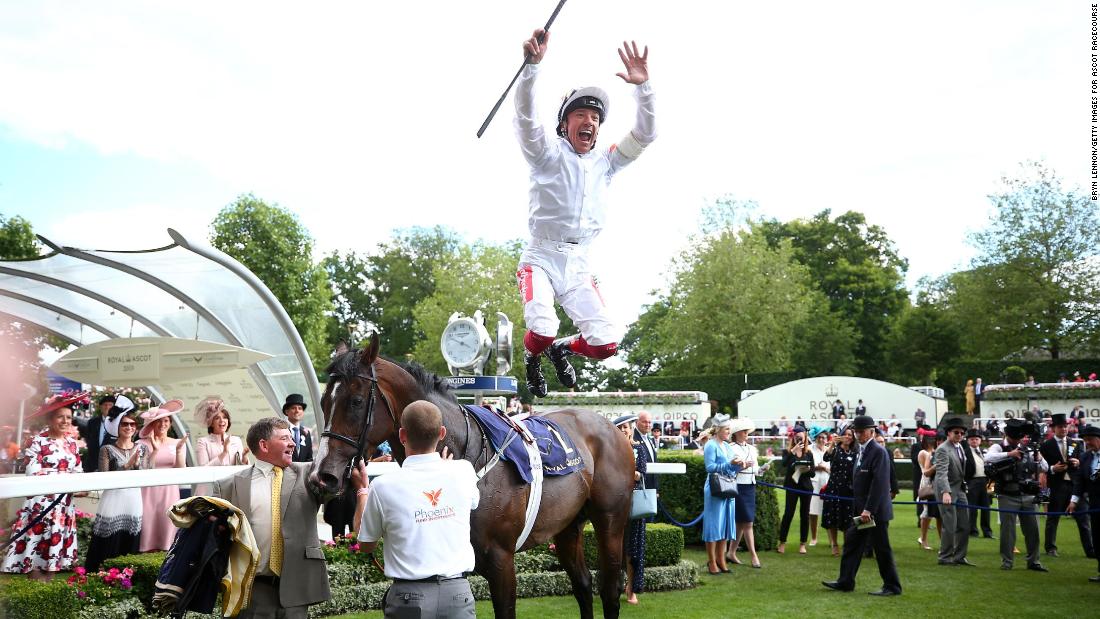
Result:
[184,290]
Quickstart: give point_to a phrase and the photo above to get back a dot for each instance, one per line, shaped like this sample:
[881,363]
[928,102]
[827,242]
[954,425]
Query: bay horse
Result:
[362,406]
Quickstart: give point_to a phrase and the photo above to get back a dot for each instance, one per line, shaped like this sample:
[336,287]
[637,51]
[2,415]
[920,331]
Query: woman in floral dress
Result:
[50,545]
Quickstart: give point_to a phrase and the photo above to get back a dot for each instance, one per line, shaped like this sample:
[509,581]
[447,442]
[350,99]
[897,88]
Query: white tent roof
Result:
[184,290]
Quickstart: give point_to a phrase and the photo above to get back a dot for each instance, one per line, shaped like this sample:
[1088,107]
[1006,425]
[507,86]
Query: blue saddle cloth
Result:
[559,455]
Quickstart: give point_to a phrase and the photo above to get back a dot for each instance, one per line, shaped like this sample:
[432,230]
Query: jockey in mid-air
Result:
[569,180]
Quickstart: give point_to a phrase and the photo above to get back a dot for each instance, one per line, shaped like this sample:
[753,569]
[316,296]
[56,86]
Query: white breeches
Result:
[551,271]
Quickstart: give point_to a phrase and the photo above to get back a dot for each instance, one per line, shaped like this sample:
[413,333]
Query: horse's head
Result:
[357,418]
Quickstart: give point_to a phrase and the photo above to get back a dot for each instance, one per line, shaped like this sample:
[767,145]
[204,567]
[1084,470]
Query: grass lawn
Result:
[790,585]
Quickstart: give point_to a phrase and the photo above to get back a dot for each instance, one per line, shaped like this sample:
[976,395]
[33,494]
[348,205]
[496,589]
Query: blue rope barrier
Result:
[673,520]
[968,505]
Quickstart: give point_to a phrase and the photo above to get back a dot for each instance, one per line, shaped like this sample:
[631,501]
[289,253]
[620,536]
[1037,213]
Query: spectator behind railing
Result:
[163,452]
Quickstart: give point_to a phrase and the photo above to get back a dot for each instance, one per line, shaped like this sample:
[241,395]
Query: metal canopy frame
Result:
[191,288]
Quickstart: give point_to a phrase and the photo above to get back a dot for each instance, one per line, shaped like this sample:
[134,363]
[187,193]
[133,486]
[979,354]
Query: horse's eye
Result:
[357,401]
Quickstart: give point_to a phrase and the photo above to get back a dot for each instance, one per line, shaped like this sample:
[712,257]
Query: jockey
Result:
[569,180]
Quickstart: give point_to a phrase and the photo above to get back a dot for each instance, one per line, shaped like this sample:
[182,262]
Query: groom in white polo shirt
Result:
[423,512]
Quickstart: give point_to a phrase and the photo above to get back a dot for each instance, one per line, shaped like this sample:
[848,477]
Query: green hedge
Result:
[23,598]
[682,496]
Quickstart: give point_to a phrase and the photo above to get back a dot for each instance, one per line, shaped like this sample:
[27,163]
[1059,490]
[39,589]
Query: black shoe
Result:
[973,534]
[559,355]
[1052,553]
[536,382]
[965,562]
[884,592]
[1037,567]
[946,562]
[835,585]
[1094,578]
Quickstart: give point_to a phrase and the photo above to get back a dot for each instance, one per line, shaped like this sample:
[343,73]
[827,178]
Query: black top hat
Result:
[1090,430]
[1058,419]
[294,398]
[863,422]
[1015,428]
[972,432]
[953,422]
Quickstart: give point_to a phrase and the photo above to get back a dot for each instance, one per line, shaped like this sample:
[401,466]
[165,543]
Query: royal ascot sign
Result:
[812,399]
[152,361]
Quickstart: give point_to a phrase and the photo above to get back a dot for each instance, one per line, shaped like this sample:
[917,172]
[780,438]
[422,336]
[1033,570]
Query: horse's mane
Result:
[347,364]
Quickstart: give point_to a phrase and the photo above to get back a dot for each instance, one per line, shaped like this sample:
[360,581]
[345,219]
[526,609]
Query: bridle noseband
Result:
[361,444]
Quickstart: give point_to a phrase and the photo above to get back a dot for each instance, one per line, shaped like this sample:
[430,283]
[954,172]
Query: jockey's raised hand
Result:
[637,69]
[535,47]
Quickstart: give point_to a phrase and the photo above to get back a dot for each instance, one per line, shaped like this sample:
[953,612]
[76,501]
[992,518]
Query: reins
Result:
[360,445]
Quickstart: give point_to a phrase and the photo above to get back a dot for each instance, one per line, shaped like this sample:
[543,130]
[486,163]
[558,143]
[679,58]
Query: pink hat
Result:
[207,408]
[169,408]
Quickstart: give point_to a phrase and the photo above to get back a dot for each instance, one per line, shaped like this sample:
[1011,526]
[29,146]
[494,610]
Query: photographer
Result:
[1014,466]
[799,464]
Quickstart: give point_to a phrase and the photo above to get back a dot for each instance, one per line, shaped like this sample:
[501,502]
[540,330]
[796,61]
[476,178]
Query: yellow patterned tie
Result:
[276,560]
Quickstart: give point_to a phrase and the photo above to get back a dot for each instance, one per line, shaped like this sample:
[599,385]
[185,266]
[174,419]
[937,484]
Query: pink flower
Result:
[81,594]
[80,571]
[128,572]
[330,543]
[113,572]
[354,548]
[126,584]
[553,548]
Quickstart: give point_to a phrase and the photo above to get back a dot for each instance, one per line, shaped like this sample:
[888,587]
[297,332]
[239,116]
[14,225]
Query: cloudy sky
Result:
[120,119]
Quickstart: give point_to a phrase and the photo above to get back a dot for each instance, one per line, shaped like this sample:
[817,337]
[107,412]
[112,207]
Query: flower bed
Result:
[1042,391]
[119,591]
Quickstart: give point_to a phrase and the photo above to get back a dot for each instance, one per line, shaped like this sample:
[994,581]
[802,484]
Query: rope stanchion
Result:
[672,519]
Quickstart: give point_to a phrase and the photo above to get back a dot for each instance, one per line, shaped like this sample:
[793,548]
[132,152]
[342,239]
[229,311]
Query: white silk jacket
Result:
[567,195]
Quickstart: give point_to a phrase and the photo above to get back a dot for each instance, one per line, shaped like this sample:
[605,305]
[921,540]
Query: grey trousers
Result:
[447,599]
[956,528]
[1008,527]
[265,605]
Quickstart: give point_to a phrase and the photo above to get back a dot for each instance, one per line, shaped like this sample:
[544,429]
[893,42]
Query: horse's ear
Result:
[341,348]
[370,353]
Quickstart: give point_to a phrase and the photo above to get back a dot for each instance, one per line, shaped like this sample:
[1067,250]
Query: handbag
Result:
[643,502]
[723,486]
[925,491]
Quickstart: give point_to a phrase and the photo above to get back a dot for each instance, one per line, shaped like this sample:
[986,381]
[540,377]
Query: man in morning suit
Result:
[871,492]
[1061,455]
[295,409]
[95,434]
[1086,484]
[291,574]
[642,435]
[950,486]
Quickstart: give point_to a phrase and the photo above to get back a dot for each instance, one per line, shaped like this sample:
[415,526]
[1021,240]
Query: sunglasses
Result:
[127,423]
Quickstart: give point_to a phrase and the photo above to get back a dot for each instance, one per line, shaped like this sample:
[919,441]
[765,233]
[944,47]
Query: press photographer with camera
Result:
[1086,484]
[1014,466]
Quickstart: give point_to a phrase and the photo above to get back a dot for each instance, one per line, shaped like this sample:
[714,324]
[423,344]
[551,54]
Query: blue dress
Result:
[719,520]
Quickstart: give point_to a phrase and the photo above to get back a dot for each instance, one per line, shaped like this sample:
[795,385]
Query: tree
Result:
[732,306]
[271,242]
[17,240]
[922,343]
[379,291]
[1037,276]
[857,267]
[824,341]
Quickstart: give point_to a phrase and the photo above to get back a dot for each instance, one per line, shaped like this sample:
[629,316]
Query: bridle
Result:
[361,444]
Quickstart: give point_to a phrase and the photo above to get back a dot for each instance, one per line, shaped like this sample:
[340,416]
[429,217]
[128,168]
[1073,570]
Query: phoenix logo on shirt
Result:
[433,495]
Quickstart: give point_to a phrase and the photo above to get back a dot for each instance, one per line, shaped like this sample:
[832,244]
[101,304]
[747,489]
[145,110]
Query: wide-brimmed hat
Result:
[169,408]
[954,422]
[741,424]
[1058,419]
[207,408]
[62,400]
[1090,430]
[294,398]
[863,422]
[622,420]
[817,431]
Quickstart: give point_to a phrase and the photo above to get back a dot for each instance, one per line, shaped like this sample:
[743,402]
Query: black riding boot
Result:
[536,382]
[559,355]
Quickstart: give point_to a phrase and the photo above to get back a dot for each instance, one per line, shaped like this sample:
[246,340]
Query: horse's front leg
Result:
[498,566]
[570,550]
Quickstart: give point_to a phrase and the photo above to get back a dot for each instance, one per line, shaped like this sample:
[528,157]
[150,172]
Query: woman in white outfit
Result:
[820,437]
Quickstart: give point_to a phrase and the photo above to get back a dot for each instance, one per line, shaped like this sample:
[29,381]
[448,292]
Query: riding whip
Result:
[489,118]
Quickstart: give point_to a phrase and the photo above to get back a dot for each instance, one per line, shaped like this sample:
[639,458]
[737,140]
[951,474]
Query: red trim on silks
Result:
[584,349]
[523,278]
[596,287]
[535,343]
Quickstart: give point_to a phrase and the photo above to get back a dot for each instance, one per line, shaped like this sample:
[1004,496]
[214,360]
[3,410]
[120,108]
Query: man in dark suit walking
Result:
[950,485]
[642,435]
[1086,484]
[1061,455]
[871,490]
